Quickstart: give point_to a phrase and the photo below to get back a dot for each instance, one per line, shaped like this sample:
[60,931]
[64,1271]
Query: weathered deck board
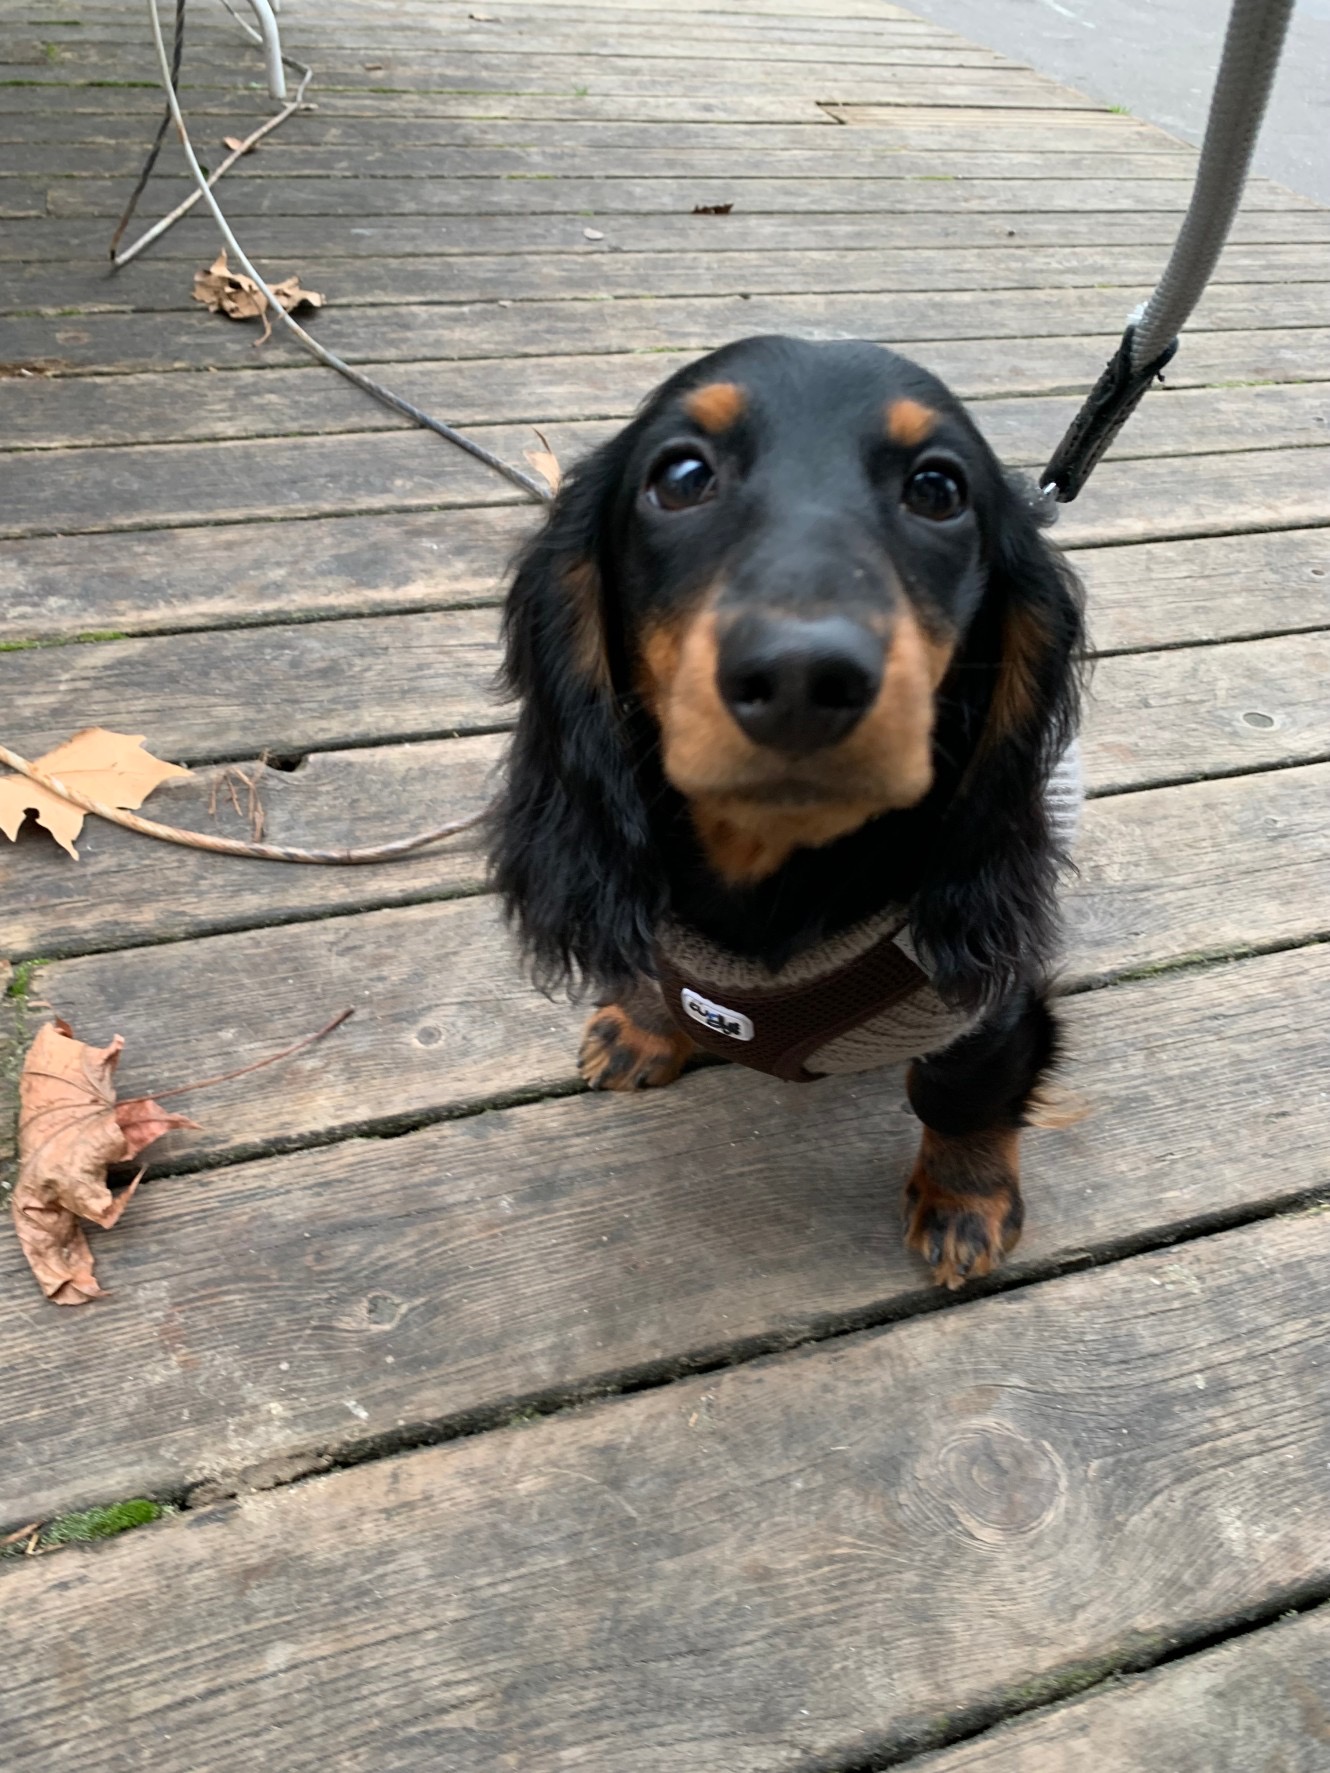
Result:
[361,161]
[747,1595]
[72,199]
[374,236]
[580,273]
[982,345]
[1218,588]
[204,697]
[461,1269]
[1262,1702]
[78,411]
[229,482]
[160,286]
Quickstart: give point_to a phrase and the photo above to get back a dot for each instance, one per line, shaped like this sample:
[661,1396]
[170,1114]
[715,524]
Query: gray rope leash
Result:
[1252,45]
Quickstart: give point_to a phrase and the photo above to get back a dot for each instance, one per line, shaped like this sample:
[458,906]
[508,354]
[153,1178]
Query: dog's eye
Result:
[934,493]
[681,482]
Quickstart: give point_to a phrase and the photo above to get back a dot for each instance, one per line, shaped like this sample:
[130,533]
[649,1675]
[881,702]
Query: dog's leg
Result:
[963,1208]
[632,1043]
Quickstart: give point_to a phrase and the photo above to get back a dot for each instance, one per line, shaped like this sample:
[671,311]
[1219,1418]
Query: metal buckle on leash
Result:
[1110,403]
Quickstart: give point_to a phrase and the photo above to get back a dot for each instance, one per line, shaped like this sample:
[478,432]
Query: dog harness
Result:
[856,1001]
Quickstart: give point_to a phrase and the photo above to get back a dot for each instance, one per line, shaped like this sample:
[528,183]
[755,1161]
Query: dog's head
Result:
[793,586]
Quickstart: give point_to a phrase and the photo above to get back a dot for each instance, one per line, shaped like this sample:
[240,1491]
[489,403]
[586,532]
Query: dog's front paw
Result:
[618,1053]
[963,1207]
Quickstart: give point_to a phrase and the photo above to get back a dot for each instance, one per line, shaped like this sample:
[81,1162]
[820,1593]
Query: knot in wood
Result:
[997,1484]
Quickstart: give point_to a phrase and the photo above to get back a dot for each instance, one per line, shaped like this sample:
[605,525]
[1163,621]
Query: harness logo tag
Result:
[715,1016]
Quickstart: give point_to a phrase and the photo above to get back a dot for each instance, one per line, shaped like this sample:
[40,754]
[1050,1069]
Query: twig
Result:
[206,1083]
[177,51]
[22,1533]
[235,846]
[183,208]
[534,488]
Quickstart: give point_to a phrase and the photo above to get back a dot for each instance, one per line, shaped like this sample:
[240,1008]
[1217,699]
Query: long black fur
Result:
[571,843]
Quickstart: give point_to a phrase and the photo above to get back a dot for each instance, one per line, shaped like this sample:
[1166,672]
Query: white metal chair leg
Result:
[272,47]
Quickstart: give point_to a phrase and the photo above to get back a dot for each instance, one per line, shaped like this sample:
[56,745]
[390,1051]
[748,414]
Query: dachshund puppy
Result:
[799,693]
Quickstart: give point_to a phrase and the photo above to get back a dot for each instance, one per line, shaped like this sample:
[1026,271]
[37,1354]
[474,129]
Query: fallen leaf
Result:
[592,234]
[712,208]
[106,766]
[224,291]
[545,462]
[70,1129]
[237,144]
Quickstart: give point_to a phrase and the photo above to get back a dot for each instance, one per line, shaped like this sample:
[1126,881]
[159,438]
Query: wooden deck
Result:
[508,1427]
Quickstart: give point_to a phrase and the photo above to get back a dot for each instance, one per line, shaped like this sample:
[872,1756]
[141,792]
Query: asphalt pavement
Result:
[1158,58]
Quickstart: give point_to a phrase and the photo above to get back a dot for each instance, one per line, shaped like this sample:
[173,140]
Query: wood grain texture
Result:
[1141,595]
[588,272]
[292,159]
[1217,588]
[461,1269]
[127,890]
[235,481]
[234,693]
[1202,871]
[1260,1703]
[534,328]
[177,579]
[373,236]
[920,130]
[77,411]
[1205,711]
[764,1569]
[204,697]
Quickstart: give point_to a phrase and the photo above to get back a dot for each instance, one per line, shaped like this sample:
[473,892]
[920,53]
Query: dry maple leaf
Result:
[106,766]
[70,1128]
[224,291]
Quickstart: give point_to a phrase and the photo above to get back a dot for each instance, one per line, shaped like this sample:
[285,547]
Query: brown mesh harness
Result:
[777,1029]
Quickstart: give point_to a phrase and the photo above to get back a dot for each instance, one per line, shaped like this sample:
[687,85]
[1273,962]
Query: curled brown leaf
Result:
[70,1130]
[232,293]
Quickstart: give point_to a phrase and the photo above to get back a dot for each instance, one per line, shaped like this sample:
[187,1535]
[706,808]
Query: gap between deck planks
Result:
[1260,1704]
[747,1596]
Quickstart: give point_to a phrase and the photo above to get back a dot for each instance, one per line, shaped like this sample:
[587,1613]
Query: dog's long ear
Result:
[570,840]
[987,912]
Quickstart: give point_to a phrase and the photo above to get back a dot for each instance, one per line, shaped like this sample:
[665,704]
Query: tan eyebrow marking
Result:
[717,406]
[909,421]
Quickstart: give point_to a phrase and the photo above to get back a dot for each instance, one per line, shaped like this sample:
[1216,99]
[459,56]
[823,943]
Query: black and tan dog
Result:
[796,668]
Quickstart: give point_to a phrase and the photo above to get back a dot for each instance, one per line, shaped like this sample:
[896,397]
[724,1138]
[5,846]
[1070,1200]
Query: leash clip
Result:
[1108,406]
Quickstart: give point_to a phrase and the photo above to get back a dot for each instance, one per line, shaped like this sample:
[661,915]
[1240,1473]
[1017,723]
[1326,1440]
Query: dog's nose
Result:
[799,685]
